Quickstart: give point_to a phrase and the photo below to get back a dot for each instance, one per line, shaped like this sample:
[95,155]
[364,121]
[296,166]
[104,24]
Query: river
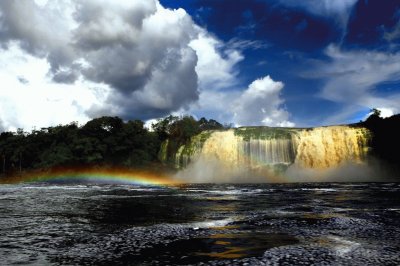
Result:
[211,224]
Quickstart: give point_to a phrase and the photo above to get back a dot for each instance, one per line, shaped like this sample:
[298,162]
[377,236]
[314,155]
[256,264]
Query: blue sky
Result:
[246,62]
[297,36]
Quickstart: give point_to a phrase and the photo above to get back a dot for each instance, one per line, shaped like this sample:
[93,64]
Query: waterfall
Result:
[266,152]
[327,147]
[258,147]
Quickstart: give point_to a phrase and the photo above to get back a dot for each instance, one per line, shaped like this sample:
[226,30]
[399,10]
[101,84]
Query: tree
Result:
[376,112]
[211,124]
[183,129]
[163,126]
[104,141]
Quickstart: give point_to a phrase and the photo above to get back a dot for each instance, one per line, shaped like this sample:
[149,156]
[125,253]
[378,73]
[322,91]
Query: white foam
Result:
[212,223]
[227,192]
[320,189]
[343,246]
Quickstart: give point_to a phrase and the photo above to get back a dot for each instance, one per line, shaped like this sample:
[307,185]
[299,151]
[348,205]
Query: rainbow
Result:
[108,176]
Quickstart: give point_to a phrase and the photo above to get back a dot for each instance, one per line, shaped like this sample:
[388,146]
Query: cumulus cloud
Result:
[220,90]
[44,31]
[385,112]
[352,77]
[40,102]
[217,62]
[134,59]
[131,46]
[261,102]
[154,73]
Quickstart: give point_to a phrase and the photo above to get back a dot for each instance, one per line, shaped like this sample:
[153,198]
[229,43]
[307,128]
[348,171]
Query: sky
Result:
[243,62]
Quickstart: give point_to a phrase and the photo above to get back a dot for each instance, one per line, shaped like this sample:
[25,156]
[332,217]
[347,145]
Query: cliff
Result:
[274,148]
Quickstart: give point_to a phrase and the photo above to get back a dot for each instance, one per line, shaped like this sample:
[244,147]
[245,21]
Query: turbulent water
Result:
[255,147]
[259,224]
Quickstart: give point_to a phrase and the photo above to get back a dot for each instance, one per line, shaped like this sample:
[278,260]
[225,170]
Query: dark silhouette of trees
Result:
[211,124]
[385,141]
[163,126]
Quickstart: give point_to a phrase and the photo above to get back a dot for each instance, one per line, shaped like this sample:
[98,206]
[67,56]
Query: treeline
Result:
[110,141]
[385,141]
[104,141]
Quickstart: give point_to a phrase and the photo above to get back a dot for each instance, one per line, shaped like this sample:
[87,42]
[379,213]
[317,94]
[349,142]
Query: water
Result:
[258,224]
[255,147]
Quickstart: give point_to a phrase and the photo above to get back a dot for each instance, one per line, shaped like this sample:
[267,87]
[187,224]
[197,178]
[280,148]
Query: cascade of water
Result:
[256,152]
[317,148]
[327,147]
[236,151]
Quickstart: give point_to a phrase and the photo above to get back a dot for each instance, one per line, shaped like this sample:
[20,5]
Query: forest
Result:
[101,142]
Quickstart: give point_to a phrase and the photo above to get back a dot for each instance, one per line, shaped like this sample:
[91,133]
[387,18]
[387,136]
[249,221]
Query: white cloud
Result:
[155,73]
[126,45]
[216,66]
[242,44]
[261,102]
[220,94]
[336,9]
[385,112]
[352,77]
[39,102]
[129,47]
[70,60]
[394,34]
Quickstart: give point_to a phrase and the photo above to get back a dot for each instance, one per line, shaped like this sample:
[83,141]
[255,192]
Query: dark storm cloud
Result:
[139,49]
[106,25]
[147,60]
[14,28]
[37,31]
[160,95]
[67,76]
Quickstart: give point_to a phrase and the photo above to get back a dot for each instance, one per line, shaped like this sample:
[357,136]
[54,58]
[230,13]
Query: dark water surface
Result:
[257,224]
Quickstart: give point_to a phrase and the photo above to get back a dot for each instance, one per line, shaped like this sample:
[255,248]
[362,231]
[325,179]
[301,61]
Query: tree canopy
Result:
[104,141]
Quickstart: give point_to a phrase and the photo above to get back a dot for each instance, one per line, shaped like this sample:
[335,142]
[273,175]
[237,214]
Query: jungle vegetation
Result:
[101,142]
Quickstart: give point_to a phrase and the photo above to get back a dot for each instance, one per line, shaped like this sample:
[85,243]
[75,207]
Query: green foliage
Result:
[248,133]
[163,126]
[101,141]
[184,128]
[104,141]
[175,132]
[211,124]
[181,129]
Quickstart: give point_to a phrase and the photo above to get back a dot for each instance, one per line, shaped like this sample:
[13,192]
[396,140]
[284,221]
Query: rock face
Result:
[326,147]
[275,148]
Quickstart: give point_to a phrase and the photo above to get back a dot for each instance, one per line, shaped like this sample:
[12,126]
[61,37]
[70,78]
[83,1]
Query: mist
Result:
[205,170]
